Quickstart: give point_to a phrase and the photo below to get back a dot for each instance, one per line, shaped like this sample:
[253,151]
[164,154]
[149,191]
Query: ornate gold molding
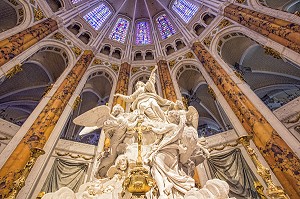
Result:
[189,55]
[14,70]
[97,62]
[59,36]
[76,103]
[115,67]
[207,41]
[272,52]
[20,182]
[212,92]
[38,14]
[239,75]
[77,51]
[273,191]
[224,23]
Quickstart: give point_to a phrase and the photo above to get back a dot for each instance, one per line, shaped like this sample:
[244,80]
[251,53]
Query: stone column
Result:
[122,83]
[280,157]
[17,167]
[283,32]
[16,44]
[166,82]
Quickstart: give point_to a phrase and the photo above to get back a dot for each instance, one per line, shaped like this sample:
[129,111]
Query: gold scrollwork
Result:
[239,75]
[207,41]
[20,182]
[14,70]
[38,14]
[273,191]
[47,90]
[272,52]
[97,62]
[224,23]
[172,63]
[212,93]
[240,1]
[134,69]
[59,36]
[76,103]
[189,55]
[115,67]
[76,50]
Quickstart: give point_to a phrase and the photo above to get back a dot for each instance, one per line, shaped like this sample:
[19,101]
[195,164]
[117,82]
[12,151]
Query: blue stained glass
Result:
[119,32]
[98,16]
[184,9]
[165,27]
[142,33]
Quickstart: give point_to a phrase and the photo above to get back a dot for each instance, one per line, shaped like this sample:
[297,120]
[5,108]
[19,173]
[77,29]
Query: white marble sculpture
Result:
[171,148]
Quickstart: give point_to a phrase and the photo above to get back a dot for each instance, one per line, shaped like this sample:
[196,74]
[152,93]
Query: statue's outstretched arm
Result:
[129,98]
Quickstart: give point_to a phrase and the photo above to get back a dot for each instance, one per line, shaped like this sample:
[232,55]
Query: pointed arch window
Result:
[119,32]
[165,27]
[142,33]
[98,16]
[185,9]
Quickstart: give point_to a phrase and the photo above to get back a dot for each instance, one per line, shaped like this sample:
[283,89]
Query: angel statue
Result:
[114,126]
[146,100]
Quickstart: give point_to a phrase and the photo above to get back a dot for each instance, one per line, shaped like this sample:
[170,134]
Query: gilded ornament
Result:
[59,36]
[134,69]
[115,67]
[172,63]
[40,195]
[239,75]
[76,50]
[47,90]
[297,13]
[97,62]
[273,191]
[76,103]
[139,181]
[38,14]
[272,52]
[207,41]
[224,23]
[150,68]
[189,55]
[212,93]
[20,182]
[259,189]
[241,1]
[14,70]
[14,2]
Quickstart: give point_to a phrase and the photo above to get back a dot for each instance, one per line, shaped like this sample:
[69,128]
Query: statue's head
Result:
[173,117]
[179,104]
[117,109]
[122,162]
[139,84]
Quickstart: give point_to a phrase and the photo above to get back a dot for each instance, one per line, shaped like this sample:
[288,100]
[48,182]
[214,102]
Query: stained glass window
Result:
[119,32]
[97,16]
[142,33]
[165,27]
[184,9]
[75,1]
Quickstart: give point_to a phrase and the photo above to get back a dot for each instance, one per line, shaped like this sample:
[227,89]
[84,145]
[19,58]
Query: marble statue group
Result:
[171,148]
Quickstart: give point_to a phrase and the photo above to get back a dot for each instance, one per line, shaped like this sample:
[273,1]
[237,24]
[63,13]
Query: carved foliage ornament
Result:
[14,70]
[38,14]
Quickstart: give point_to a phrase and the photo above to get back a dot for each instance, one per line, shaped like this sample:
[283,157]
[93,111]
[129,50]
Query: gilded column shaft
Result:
[16,44]
[280,157]
[122,83]
[42,127]
[167,85]
[281,31]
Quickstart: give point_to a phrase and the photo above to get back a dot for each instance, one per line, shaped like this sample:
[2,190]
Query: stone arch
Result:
[256,65]
[169,49]
[198,28]
[75,27]
[149,55]
[106,49]
[15,15]
[117,53]
[27,87]
[207,18]
[179,44]
[85,37]
[55,5]
[138,56]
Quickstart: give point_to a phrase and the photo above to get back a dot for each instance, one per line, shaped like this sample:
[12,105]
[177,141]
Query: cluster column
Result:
[17,167]
[284,32]
[280,157]
[166,82]
[18,43]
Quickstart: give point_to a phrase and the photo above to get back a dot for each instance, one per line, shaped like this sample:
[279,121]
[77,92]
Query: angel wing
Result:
[94,117]
[192,116]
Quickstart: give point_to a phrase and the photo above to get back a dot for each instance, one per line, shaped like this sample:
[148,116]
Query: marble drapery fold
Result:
[65,173]
[232,168]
